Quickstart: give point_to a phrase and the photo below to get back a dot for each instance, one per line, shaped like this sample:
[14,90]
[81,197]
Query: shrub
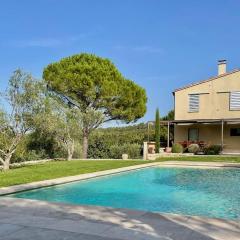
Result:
[77,150]
[30,155]
[133,150]
[98,147]
[193,148]
[212,150]
[177,148]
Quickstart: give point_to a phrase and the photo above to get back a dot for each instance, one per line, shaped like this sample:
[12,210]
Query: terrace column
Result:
[168,133]
[222,131]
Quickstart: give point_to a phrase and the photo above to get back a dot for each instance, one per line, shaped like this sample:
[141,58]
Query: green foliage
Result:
[102,139]
[193,148]
[157,131]
[99,146]
[23,100]
[90,81]
[24,152]
[77,150]
[212,150]
[97,89]
[133,151]
[169,116]
[177,148]
[101,142]
[62,123]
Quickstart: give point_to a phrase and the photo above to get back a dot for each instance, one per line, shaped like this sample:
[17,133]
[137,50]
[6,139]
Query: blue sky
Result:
[161,45]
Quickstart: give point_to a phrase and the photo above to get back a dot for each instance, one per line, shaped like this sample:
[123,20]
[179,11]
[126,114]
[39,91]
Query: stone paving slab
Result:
[6,229]
[23,219]
[31,233]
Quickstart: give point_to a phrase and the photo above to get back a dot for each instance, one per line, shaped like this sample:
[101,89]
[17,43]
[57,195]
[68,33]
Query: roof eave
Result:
[204,81]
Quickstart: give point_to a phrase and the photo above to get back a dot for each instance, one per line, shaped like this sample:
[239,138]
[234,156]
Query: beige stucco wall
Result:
[210,134]
[212,105]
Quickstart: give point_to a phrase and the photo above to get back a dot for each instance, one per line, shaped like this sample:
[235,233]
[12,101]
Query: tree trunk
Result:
[70,150]
[6,163]
[85,144]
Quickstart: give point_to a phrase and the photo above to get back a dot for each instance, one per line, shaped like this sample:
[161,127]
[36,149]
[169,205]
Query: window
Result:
[193,102]
[193,134]
[234,132]
[235,100]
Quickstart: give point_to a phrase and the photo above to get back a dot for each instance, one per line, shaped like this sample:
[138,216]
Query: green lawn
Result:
[56,169]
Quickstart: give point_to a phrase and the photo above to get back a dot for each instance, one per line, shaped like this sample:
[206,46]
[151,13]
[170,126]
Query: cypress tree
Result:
[157,131]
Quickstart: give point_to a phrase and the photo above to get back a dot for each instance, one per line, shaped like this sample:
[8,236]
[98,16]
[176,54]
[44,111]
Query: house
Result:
[208,112]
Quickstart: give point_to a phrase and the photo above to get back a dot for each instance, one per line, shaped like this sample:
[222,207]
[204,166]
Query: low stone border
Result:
[154,156]
[57,181]
[18,164]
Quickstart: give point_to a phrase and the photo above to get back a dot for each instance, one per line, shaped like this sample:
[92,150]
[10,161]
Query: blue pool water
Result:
[187,191]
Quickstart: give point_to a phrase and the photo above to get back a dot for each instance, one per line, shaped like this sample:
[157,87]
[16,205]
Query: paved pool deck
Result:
[24,219]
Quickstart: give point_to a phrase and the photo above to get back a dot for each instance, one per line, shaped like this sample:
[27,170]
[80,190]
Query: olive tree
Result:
[61,122]
[97,89]
[21,102]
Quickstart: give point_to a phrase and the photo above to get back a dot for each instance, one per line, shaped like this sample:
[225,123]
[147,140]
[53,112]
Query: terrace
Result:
[217,126]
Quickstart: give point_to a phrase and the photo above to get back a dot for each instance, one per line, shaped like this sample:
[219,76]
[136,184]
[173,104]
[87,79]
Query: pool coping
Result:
[69,179]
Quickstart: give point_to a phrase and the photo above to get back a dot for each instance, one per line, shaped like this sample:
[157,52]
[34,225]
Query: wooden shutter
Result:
[235,100]
[193,102]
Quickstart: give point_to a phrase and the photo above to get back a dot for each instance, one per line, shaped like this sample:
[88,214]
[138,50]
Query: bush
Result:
[98,146]
[30,155]
[193,148]
[133,151]
[177,148]
[212,150]
[77,150]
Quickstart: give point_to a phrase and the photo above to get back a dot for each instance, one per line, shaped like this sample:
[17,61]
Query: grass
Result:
[56,169]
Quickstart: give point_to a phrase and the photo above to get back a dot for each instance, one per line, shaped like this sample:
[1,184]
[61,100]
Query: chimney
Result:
[222,65]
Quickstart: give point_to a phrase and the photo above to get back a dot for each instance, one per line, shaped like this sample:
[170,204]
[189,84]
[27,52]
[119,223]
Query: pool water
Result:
[187,191]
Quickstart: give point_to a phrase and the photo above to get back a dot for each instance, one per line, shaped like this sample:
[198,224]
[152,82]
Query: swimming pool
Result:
[187,191]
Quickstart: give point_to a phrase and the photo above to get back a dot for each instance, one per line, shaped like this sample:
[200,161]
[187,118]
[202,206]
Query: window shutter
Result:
[193,102]
[235,100]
